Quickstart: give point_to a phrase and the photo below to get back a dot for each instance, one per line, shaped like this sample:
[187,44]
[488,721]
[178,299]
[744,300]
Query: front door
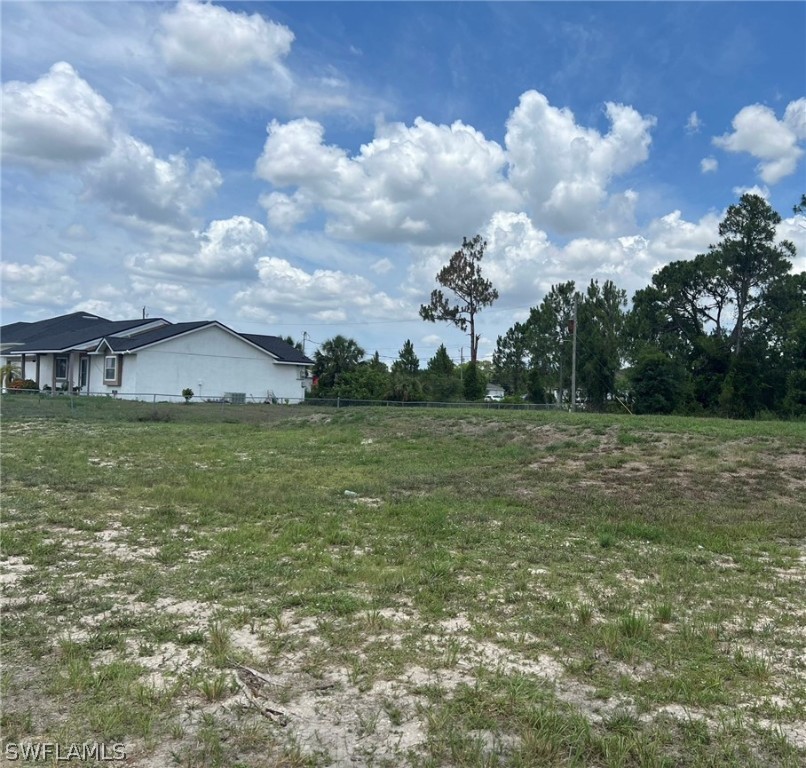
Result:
[83,373]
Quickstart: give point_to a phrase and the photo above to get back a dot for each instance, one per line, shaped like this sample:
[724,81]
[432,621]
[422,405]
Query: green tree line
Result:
[722,333]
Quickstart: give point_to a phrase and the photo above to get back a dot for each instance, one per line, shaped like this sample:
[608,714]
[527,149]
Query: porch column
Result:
[22,367]
[36,362]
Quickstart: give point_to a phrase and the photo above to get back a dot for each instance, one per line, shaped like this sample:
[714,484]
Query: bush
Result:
[23,384]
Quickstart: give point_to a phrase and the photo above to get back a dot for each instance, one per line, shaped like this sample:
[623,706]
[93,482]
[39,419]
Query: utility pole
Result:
[304,339]
[574,358]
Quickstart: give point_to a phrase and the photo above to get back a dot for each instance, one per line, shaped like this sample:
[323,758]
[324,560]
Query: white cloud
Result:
[672,238]
[757,131]
[709,165]
[430,184]
[516,253]
[754,190]
[564,170]
[693,124]
[46,283]
[143,189]
[422,183]
[227,249]
[284,289]
[206,39]
[284,212]
[795,118]
[794,230]
[173,301]
[60,123]
[170,300]
[57,121]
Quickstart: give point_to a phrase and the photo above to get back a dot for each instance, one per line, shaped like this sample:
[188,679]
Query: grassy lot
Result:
[287,586]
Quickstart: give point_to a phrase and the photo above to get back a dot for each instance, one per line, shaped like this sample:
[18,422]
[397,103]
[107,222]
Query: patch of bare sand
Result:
[12,569]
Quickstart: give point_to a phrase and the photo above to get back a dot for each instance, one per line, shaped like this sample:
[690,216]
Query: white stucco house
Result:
[143,359]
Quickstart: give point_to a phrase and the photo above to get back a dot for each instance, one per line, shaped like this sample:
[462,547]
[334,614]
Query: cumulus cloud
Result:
[421,183]
[428,184]
[758,132]
[205,39]
[44,283]
[141,188]
[672,238]
[523,262]
[753,190]
[227,249]
[325,294]
[58,121]
[794,230]
[170,299]
[564,169]
[173,301]
[709,165]
[284,212]
[516,252]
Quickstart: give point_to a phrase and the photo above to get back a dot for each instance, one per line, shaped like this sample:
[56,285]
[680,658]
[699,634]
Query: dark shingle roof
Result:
[63,332]
[81,328]
[152,337]
[279,348]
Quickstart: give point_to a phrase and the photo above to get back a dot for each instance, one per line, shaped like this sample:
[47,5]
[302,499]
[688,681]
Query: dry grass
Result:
[496,588]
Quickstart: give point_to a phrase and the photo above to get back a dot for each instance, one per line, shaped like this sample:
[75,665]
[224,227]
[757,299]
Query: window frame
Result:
[58,362]
[113,381]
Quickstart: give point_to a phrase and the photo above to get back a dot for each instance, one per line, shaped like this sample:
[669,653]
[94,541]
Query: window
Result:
[61,368]
[112,369]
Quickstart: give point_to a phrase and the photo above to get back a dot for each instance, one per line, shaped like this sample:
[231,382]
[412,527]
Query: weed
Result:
[219,644]
[217,688]
[634,626]
[584,613]
[663,613]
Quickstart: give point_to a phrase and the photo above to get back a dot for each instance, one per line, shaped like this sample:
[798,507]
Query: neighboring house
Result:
[139,359]
[494,392]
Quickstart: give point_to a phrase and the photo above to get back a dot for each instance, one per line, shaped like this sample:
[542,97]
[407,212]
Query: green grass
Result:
[499,587]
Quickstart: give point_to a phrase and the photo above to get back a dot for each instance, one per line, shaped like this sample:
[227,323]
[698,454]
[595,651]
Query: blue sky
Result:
[291,167]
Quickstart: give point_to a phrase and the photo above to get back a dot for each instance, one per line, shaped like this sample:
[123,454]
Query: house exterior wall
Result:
[211,362]
[47,365]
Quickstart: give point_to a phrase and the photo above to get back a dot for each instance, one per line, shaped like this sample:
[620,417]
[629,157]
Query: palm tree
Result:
[8,373]
[334,357]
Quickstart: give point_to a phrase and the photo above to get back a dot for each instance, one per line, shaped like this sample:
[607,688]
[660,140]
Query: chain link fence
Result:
[27,404]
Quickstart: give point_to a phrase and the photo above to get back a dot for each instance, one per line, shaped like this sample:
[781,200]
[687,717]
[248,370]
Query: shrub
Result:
[187,393]
[23,384]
